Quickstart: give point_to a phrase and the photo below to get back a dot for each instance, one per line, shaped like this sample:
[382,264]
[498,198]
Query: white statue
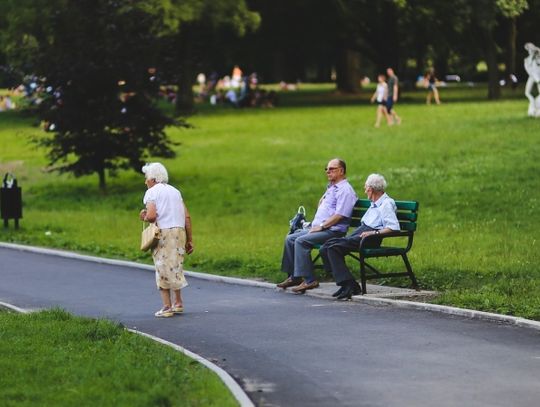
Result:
[532,66]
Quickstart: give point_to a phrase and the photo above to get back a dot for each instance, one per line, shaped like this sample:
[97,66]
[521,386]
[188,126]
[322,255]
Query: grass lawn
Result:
[51,358]
[472,164]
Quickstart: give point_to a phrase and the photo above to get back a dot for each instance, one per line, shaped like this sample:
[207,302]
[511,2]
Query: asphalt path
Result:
[294,350]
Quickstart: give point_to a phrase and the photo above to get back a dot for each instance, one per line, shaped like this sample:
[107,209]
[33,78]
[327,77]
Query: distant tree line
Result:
[99,65]
[103,60]
[309,40]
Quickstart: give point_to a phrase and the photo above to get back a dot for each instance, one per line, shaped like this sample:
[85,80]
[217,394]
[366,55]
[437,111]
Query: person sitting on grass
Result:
[331,220]
[380,218]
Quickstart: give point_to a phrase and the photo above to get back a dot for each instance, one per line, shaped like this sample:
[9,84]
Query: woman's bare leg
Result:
[177,298]
[165,297]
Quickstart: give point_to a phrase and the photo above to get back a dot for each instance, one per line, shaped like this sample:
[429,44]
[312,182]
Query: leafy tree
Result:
[486,19]
[97,58]
[295,36]
[511,10]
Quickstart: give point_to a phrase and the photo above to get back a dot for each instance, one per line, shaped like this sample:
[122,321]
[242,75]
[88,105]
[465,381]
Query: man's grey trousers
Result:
[296,259]
[333,253]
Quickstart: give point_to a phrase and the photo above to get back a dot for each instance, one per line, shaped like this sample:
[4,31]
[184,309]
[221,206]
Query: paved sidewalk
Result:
[298,350]
[379,291]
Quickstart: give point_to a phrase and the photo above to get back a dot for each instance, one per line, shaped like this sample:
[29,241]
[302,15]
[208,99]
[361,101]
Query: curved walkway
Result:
[288,350]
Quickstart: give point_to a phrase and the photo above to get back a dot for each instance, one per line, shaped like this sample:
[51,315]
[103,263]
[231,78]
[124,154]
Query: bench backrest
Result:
[407,213]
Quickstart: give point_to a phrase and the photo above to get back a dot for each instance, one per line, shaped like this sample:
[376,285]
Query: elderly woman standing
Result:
[165,206]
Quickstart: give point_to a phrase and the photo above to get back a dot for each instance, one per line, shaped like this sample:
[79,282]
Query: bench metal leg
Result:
[409,271]
[363,276]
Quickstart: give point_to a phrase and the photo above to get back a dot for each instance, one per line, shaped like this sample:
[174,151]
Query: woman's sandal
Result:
[177,309]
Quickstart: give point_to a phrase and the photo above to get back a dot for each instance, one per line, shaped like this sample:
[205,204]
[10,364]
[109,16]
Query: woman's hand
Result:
[142,214]
[189,247]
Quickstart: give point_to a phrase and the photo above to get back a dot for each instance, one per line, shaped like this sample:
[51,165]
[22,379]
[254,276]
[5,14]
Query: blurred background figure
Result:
[380,95]
[430,81]
[236,78]
[201,80]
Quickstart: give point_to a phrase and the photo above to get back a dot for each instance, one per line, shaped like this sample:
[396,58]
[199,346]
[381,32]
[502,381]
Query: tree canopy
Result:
[97,63]
[291,40]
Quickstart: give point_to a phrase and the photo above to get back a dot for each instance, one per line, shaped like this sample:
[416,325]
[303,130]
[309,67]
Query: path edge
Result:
[462,312]
[229,382]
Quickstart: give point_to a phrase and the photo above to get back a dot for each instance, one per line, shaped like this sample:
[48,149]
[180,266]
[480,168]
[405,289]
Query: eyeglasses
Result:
[331,169]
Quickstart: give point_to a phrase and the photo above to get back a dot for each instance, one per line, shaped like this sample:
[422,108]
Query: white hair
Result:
[377,182]
[156,171]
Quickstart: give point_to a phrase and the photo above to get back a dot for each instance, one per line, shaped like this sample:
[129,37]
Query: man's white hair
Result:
[156,171]
[377,182]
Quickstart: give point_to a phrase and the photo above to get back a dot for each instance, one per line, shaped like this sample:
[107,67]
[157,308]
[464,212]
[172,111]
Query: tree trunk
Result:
[511,54]
[348,71]
[184,94]
[441,63]
[494,91]
[278,66]
[324,71]
[101,175]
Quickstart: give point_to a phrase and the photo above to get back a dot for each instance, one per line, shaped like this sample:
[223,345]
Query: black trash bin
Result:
[10,200]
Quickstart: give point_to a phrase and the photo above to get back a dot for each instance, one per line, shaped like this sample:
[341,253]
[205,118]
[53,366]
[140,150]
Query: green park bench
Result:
[375,246]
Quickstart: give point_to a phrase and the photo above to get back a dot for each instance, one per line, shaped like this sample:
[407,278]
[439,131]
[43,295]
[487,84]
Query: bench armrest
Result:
[398,233]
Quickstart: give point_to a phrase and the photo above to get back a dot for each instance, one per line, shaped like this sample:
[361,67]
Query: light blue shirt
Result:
[382,214]
[338,199]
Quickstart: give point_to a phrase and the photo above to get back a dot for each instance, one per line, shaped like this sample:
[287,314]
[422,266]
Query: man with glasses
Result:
[331,221]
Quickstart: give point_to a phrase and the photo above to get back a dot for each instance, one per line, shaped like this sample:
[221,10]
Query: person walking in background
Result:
[331,220]
[392,97]
[380,95]
[165,206]
[430,81]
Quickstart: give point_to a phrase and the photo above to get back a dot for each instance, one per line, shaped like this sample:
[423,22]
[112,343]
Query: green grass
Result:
[472,164]
[51,358]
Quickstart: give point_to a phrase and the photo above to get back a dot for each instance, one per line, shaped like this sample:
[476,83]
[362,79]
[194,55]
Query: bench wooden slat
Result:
[408,226]
[407,205]
[406,212]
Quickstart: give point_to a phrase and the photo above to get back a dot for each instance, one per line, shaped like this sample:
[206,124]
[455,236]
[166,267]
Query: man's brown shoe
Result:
[290,282]
[305,286]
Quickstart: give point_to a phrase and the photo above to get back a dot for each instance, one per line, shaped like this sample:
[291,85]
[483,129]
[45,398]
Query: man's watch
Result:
[376,232]
[322,226]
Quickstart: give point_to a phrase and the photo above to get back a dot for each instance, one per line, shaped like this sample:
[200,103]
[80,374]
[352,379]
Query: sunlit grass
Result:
[473,165]
[54,359]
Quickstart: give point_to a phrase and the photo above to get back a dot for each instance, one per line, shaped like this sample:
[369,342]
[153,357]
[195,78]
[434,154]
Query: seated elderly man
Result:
[380,218]
[331,220]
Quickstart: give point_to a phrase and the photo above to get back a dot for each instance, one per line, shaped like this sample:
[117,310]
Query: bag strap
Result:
[302,210]
[143,223]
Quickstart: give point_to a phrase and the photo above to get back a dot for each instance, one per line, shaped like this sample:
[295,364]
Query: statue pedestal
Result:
[534,107]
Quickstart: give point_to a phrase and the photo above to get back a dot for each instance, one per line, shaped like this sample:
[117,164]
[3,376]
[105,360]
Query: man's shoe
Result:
[338,292]
[289,282]
[349,291]
[305,286]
